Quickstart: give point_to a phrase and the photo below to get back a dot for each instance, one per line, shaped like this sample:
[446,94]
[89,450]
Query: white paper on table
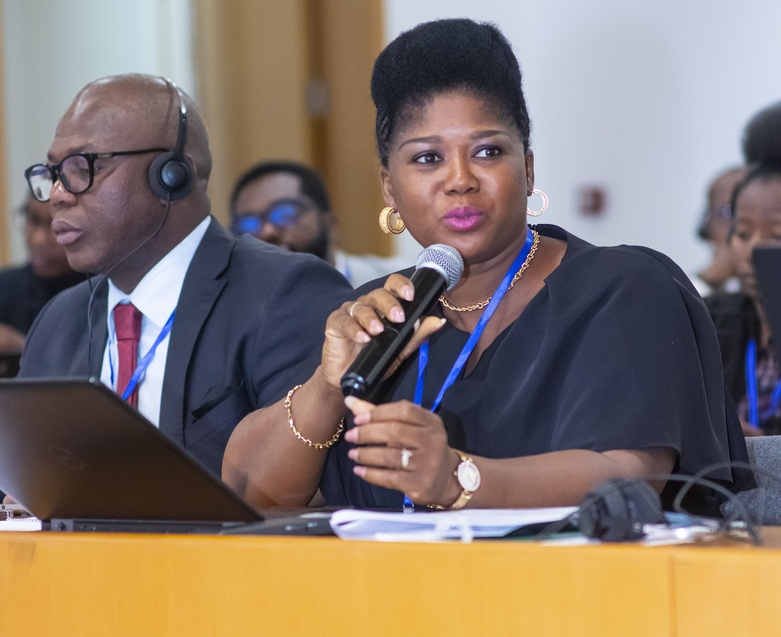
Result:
[422,526]
[20,524]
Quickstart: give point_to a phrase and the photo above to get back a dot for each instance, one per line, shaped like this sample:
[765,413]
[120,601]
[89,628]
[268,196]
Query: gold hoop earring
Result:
[387,225]
[541,211]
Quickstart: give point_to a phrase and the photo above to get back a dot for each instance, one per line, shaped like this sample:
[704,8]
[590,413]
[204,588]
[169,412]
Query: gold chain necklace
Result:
[518,275]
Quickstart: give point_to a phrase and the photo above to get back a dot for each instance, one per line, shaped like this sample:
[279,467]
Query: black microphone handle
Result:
[374,360]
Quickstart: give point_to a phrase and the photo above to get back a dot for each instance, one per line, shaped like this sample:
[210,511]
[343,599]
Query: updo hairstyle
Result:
[441,56]
[762,136]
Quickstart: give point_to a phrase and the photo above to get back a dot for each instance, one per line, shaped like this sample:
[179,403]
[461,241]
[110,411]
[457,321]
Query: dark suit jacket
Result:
[249,326]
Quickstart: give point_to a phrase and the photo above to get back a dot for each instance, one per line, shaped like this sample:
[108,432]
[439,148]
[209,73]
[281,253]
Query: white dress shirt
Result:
[156,296]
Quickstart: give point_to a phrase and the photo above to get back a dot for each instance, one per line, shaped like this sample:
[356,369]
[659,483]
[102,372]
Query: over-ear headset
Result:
[170,176]
[616,510]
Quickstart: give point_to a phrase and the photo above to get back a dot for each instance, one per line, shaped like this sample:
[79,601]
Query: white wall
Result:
[647,99]
[53,47]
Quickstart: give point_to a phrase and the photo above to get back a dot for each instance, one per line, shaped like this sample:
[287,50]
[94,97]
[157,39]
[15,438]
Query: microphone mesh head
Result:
[446,259]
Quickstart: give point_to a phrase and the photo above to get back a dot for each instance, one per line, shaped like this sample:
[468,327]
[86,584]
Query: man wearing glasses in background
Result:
[287,204]
[194,327]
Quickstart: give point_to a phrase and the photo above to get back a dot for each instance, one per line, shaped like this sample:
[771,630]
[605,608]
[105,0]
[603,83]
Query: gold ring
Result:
[406,454]
[352,307]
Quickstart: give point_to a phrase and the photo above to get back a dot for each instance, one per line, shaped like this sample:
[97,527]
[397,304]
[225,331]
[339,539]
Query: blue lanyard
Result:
[145,361]
[466,351]
[752,389]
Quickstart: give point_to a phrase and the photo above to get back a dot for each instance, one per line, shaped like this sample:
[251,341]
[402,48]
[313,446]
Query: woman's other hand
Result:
[403,446]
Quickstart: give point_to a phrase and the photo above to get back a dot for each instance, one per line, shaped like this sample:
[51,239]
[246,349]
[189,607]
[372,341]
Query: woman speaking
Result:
[551,366]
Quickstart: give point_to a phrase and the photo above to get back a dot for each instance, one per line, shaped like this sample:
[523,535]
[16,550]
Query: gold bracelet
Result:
[460,503]
[316,445]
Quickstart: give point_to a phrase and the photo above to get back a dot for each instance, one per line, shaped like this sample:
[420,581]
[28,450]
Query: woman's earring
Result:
[388,225]
[541,211]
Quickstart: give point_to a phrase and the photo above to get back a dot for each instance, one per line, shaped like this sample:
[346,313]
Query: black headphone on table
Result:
[616,510]
[170,176]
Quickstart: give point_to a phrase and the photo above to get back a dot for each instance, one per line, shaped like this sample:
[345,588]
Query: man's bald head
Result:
[120,223]
[139,111]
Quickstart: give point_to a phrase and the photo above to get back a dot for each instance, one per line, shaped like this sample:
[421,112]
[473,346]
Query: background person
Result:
[743,331]
[762,136]
[25,289]
[715,228]
[287,204]
[575,379]
[226,321]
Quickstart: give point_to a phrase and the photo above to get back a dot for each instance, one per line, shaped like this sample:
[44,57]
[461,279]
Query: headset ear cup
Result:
[616,510]
[170,177]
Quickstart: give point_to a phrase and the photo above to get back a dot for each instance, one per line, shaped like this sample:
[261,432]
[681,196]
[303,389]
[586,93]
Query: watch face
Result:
[468,475]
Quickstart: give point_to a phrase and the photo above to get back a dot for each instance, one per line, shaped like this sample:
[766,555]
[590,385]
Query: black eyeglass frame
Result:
[55,170]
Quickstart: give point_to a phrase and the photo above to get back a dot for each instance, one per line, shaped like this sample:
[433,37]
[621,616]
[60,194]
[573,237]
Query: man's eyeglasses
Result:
[283,214]
[75,172]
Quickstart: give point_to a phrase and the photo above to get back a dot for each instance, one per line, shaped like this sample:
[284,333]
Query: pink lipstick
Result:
[463,218]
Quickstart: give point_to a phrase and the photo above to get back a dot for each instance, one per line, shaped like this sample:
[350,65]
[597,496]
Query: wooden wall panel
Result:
[291,80]
[250,60]
[353,176]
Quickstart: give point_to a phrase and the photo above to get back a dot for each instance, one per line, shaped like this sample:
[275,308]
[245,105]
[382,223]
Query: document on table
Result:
[423,526]
[26,523]
[14,517]
[20,524]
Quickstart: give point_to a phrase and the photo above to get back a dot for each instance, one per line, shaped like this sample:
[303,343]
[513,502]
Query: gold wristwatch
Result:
[468,476]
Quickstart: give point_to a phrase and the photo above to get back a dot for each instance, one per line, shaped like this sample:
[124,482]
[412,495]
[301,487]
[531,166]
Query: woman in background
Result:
[596,362]
[25,289]
[750,366]
[716,228]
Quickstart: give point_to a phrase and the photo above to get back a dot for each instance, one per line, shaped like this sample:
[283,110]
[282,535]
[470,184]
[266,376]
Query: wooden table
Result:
[113,585]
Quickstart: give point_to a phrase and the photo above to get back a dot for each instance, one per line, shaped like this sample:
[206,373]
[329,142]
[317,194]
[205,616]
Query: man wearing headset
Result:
[224,322]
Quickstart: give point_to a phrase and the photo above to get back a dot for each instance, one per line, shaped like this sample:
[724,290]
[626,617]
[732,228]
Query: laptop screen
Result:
[72,449]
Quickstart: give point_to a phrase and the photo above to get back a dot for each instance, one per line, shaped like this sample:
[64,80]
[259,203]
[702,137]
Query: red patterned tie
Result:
[127,324]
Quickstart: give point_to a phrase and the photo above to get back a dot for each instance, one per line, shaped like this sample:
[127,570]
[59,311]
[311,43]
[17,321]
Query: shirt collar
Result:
[157,294]
[340,262]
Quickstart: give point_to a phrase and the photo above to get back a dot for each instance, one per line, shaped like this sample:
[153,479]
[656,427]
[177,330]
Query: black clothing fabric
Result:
[737,321]
[617,351]
[23,294]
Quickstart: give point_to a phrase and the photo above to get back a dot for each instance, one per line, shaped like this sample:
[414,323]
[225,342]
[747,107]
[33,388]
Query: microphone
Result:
[438,268]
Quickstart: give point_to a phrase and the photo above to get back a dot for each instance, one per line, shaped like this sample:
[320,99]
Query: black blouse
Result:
[617,351]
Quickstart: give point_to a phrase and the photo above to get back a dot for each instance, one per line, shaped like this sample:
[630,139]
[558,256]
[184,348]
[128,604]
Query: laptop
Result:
[767,268]
[79,458]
